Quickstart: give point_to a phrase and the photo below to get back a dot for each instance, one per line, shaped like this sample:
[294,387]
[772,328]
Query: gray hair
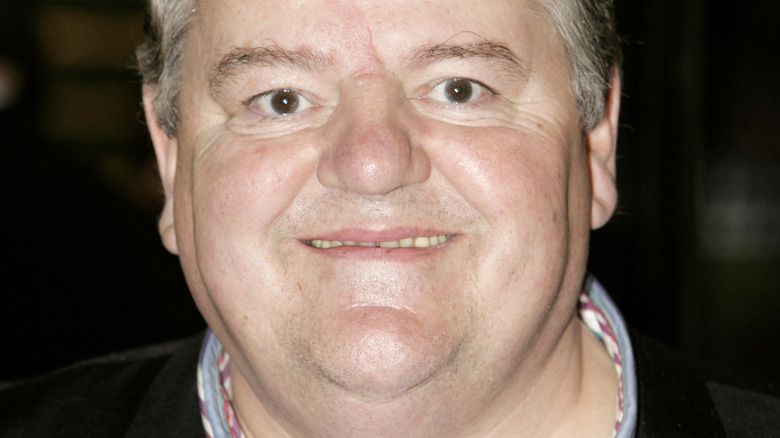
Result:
[586,27]
[160,56]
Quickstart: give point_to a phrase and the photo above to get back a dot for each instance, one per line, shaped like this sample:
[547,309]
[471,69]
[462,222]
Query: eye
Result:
[458,91]
[281,102]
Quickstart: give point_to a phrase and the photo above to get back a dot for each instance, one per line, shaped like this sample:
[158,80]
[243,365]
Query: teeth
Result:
[407,242]
[390,244]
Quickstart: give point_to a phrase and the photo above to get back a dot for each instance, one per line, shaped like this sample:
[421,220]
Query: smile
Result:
[407,242]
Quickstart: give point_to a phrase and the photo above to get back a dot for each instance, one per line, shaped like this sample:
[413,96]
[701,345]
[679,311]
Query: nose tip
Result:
[373,150]
[372,160]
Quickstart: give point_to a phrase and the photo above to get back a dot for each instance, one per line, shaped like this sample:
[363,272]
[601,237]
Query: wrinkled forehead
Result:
[363,30]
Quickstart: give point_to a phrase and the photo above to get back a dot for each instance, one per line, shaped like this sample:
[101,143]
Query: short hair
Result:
[589,34]
[159,57]
[586,28]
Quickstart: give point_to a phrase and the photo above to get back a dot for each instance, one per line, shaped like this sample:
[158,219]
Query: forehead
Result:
[365,30]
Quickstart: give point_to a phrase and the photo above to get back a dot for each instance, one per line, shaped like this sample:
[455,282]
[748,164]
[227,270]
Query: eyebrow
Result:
[490,50]
[240,59]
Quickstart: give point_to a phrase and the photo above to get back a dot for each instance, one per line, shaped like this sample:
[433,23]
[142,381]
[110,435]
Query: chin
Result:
[382,353]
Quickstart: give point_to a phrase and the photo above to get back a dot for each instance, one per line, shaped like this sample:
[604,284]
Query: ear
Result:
[165,151]
[602,144]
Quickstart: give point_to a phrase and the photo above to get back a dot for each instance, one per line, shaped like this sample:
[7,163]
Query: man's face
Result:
[318,135]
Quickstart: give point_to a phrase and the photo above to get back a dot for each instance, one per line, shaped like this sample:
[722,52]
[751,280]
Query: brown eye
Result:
[458,90]
[284,102]
[281,102]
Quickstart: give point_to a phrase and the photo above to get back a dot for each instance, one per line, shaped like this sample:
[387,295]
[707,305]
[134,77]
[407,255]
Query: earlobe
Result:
[165,149]
[602,145]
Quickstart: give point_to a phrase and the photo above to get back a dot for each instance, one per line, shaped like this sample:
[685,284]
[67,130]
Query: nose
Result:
[371,147]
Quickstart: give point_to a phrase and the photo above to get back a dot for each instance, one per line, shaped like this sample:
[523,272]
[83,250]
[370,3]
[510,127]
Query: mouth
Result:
[406,242]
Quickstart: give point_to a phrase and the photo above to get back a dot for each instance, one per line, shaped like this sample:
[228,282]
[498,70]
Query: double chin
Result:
[378,353]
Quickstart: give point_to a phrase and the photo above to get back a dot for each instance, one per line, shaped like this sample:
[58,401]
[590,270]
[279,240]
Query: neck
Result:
[571,391]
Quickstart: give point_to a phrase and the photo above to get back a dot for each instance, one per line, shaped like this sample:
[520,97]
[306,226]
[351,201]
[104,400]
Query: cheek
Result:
[519,182]
[507,175]
[242,186]
[238,190]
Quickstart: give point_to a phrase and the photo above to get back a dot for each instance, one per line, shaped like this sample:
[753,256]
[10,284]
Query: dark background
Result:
[692,257]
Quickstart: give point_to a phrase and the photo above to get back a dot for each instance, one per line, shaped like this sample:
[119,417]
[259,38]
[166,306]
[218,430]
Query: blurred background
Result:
[692,257]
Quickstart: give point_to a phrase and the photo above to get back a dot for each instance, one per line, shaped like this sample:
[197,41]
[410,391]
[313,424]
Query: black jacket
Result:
[146,393]
[152,393]
[679,397]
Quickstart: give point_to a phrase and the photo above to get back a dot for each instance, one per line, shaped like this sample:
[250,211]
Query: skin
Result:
[477,336]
